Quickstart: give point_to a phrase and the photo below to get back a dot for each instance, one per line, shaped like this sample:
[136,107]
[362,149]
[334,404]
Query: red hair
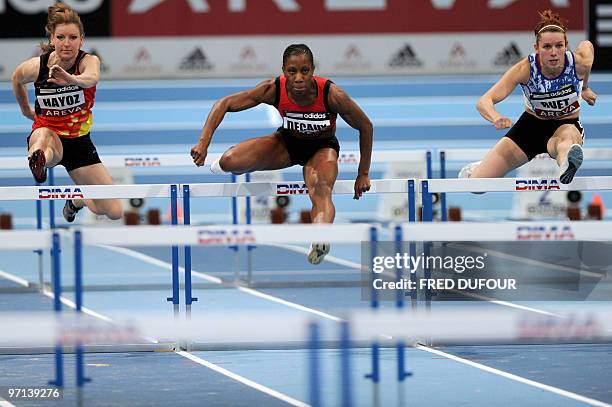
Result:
[550,22]
[60,13]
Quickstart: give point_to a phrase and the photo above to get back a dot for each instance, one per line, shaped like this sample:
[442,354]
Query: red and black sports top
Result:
[308,121]
[64,109]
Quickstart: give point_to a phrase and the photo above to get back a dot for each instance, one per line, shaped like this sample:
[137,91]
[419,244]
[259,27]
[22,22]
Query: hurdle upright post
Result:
[235,247]
[375,373]
[314,375]
[78,299]
[39,252]
[249,246]
[444,215]
[51,181]
[345,365]
[427,202]
[175,250]
[187,221]
[399,300]
[411,201]
[57,307]
[401,371]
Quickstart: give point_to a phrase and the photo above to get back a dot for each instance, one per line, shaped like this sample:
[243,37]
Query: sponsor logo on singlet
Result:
[557,103]
[61,101]
[306,122]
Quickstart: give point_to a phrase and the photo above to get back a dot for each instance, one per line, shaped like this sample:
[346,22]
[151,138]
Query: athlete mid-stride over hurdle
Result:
[65,79]
[553,80]
[309,106]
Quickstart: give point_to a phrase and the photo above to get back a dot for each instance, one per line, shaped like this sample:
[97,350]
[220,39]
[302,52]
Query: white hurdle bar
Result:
[185,160]
[282,188]
[431,186]
[508,231]
[60,192]
[225,235]
[476,154]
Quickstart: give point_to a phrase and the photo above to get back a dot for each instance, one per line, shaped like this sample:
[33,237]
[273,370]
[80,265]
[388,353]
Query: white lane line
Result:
[302,250]
[329,258]
[516,378]
[507,375]
[532,262]
[297,249]
[156,262]
[244,380]
[187,355]
[358,266]
[212,279]
[14,278]
[510,304]
[289,303]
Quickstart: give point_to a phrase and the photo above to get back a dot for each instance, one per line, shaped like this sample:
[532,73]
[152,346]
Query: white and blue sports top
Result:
[552,98]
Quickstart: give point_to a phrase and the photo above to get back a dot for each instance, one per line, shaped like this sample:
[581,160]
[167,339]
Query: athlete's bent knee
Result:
[228,161]
[112,209]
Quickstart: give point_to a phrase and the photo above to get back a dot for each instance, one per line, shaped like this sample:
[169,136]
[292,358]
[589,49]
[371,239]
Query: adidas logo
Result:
[196,61]
[508,56]
[405,57]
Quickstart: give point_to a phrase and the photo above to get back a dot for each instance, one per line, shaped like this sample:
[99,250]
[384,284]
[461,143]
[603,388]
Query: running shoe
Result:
[70,211]
[466,172]
[572,162]
[317,252]
[37,165]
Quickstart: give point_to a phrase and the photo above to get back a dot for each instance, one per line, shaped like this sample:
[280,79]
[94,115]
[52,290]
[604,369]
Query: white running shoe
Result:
[466,171]
[572,162]
[317,252]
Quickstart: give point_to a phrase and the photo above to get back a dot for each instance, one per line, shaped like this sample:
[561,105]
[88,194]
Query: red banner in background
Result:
[27,18]
[295,17]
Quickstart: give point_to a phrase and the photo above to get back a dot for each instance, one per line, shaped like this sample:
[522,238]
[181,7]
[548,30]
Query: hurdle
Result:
[251,189]
[476,154]
[347,161]
[480,185]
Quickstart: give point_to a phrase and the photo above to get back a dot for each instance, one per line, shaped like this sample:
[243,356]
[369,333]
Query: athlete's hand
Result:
[59,76]
[502,122]
[589,96]
[362,185]
[199,153]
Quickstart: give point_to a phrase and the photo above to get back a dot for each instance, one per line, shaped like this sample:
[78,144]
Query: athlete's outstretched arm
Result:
[346,107]
[585,56]
[519,73]
[25,73]
[88,78]
[262,93]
